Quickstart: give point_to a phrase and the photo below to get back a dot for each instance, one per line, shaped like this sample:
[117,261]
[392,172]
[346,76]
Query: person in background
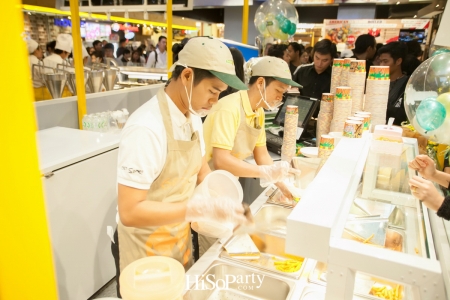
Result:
[234,130]
[122,46]
[104,42]
[109,53]
[124,58]
[365,49]
[136,59]
[141,55]
[97,45]
[423,188]
[63,48]
[376,59]
[35,58]
[304,58]
[158,58]
[393,55]
[316,78]
[239,61]
[267,48]
[309,50]
[295,51]
[413,58]
[141,49]
[90,50]
[280,51]
[50,48]
[97,57]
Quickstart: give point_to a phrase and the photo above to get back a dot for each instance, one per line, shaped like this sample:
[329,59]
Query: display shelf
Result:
[366,224]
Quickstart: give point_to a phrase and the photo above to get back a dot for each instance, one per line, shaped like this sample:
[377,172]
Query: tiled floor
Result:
[109,290]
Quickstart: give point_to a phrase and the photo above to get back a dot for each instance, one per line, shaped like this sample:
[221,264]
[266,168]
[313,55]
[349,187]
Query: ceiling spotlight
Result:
[138,25]
[415,16]
[69,17]
[145,15]
[398,3]
[127,16]
[437,5]
[29,13]
[182,18]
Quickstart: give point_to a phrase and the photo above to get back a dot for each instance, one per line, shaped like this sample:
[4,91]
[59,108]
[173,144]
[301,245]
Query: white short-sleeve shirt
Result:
[143,144]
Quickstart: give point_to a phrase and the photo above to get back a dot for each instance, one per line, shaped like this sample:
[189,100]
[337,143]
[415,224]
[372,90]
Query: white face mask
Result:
[203,112]
[263,98]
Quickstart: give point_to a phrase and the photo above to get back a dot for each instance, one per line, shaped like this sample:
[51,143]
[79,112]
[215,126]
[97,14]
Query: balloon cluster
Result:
[427,98]
[277,19]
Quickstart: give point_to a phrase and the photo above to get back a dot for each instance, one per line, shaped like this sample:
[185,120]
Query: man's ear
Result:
[399,61]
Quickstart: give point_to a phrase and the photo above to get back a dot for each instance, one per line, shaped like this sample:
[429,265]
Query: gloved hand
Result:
[274,173]
[218,209]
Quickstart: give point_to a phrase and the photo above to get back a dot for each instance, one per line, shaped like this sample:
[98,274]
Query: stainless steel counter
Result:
[212,257]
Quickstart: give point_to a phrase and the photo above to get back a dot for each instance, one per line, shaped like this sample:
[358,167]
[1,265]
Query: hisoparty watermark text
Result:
[224,282]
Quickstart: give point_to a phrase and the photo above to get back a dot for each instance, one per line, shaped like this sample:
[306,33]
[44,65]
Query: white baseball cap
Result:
[210,54]
[269,66]
[32,45]
[64,42]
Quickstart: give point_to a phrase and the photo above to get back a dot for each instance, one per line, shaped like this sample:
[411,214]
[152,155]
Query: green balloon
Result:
[285,25]
[293,29]
[440,51]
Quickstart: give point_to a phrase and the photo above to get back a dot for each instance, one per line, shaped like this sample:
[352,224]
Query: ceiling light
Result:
[29,13]
[398,2]
[145,15]
[126,15]
[183,17]
[415,16]
[437,5]
[69,17]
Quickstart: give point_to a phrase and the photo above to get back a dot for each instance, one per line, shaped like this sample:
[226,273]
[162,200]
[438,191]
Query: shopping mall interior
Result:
[225,149]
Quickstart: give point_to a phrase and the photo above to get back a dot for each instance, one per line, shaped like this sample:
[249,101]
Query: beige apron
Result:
[176,183]
[244,144]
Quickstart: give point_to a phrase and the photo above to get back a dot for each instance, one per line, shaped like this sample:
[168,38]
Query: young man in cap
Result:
[235,131]
[161,160]
[35,58]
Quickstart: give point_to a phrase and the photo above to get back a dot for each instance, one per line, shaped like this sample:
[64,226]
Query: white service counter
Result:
[79,178]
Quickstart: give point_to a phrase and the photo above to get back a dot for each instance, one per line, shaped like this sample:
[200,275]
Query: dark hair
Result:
[96,42]
[108,46]
[139,57]
[122,40]
[239,61]
[51,45]
[309,49]
[267,79]
[325,47]
[162,37]
[414,48]
[98,54]
[277,50]
[58,51]
[199,74]
[176,48]
[126,51]
[363,42]
[297,47]
[396,50]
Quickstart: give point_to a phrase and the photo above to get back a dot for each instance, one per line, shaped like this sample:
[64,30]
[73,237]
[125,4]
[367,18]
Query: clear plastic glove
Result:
[216,209]
[424,165]
[274,173]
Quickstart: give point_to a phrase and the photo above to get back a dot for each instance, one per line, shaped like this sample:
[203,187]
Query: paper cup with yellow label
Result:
[353,129]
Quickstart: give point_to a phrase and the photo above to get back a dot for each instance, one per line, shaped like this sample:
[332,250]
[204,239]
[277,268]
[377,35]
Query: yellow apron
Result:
[244,144]
[176,183]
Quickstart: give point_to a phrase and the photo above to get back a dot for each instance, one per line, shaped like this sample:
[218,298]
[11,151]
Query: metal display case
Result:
[370,236]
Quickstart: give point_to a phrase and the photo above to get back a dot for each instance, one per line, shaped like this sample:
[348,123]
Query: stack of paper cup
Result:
[353,128]
[377,94]
[326,147]
[325,115]
[336,72]
[342,108]
[290,133]
[345,71]
[366,115]
[357,81]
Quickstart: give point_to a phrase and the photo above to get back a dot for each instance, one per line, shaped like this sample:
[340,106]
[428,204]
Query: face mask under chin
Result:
[263,98]
[202,113]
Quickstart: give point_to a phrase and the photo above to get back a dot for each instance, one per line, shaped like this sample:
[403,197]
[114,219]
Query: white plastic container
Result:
[387,140]
[218,183]
[153,278]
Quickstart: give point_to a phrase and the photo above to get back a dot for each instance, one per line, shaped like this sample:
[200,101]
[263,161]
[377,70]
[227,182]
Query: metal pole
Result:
[78,59]
[245,23]
[26,260]
[169,34]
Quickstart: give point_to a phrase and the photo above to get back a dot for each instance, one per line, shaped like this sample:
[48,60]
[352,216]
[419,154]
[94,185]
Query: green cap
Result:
[269,66]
